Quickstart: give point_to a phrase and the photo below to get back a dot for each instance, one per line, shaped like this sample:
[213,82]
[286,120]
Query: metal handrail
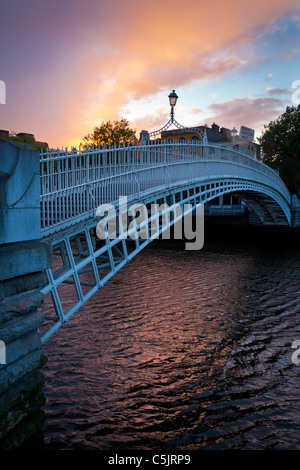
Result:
[74,181]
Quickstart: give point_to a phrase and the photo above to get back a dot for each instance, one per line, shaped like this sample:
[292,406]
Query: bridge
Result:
[49,245]
[75,182]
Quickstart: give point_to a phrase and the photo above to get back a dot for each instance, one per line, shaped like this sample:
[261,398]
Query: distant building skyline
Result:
[215,134]
[23,136]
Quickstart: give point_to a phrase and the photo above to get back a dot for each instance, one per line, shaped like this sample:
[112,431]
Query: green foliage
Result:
[117,132]
[280,143]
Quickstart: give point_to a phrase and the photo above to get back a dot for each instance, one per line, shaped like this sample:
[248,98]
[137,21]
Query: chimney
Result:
[215,127]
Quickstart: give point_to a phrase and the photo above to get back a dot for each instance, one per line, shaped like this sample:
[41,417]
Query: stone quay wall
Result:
[23,260]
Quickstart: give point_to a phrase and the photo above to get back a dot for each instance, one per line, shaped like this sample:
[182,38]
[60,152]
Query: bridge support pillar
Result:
[295,210]
[23,259]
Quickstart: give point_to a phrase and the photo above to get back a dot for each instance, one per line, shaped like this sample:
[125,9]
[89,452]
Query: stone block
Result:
[19,348]
[12,374]
[20,326]
[24,258]
[20,284]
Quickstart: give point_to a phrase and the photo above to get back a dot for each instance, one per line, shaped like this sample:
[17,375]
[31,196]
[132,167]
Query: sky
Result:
[69,65]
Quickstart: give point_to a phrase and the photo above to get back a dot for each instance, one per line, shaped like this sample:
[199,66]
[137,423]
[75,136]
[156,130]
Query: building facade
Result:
[215,134]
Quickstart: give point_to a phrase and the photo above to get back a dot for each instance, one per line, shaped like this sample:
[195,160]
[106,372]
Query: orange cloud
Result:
[170,48]
[98,57]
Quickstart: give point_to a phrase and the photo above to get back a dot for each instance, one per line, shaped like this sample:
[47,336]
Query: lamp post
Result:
[173,100]
[233,134]
[145,136]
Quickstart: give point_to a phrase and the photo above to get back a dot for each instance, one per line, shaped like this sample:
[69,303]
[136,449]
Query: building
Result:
[4,135]
[215,134]
[23,137]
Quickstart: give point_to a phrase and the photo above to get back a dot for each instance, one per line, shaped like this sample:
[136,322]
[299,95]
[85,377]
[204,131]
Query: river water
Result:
[182,350]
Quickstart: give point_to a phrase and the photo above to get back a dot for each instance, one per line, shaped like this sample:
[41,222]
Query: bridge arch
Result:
[186,174]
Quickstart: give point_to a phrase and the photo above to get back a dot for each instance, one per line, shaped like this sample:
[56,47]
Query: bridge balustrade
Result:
[75,182]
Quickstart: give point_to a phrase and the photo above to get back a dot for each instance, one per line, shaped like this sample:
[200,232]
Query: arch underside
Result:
[263,210]
[269,207]
[81,261]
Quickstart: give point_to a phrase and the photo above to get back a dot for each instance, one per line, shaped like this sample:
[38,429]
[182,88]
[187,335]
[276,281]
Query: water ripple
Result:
[181,350]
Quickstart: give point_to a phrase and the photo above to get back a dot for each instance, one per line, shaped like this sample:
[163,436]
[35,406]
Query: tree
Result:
[280,143]
[108,133]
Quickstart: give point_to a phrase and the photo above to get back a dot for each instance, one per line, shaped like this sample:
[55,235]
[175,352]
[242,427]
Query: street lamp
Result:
[233,134]
[173,100]
[145,135]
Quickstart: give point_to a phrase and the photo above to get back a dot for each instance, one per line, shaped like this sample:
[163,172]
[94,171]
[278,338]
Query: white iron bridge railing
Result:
[75,182]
